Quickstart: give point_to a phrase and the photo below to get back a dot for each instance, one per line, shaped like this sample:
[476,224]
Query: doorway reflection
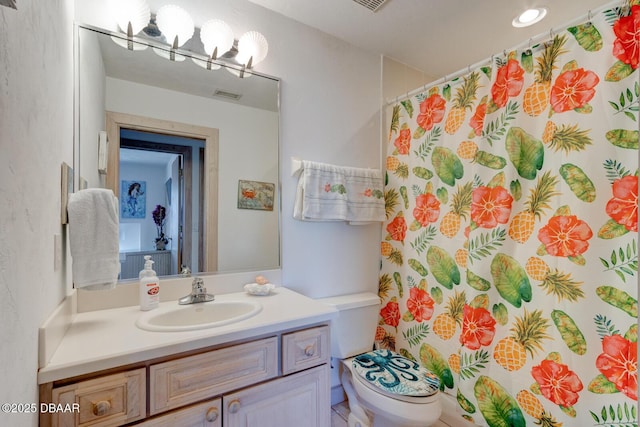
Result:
[170,170]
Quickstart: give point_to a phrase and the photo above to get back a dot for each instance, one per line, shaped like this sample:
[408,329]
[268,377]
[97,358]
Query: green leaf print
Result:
[525,152]
[611,230]
[447,165]
[510,279]
[418,267]
[619,299]
[587,36]
[526,60]
[443,267]
[405,353]
[472,363]
[464,403]
[618,71]
[498,408]
[516,189]
[398,280]
[578,182]
[443,195]
[500,313]
[477,282]
[632,333]
[416,334]
[424,239]
[484,244]
[424,150]
[628,102]
[623,262]
[622,415]
[490,160]
[423,173]
[436,294]
[623,138]
[495,130]
[605,326]
[571,335]
[601,385]
[433,361]
[405,198]
[408,106]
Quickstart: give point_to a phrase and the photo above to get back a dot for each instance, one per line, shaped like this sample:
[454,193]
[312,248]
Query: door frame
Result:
[115,122]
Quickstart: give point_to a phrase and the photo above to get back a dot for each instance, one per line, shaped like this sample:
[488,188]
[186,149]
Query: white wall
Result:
[330,112]
[36,134]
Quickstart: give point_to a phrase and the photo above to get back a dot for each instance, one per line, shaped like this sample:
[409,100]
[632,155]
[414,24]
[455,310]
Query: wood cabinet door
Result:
[206,414]
[301,399]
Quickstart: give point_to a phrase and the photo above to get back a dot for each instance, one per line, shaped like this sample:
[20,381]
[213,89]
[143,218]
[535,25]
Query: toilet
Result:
[384,389]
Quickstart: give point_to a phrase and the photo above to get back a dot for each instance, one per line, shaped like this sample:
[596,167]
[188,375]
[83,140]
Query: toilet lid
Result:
[394,374]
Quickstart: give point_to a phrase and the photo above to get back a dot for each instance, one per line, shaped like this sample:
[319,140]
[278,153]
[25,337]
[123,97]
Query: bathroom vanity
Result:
[271,369]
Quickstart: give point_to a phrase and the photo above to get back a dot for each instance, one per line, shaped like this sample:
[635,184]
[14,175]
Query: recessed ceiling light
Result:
[529,17]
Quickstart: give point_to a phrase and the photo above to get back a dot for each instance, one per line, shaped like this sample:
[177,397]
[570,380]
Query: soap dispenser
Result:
[149,286]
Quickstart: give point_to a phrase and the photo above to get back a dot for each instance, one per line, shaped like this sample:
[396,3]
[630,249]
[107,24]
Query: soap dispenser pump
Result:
[149,286]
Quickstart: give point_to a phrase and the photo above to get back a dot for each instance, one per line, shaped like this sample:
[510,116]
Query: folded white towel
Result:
[93,238]
[336,193]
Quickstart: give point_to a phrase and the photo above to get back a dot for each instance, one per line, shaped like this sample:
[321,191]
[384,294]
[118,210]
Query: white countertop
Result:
[107,339]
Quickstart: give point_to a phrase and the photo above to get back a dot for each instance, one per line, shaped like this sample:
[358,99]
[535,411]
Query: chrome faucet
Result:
[198,293]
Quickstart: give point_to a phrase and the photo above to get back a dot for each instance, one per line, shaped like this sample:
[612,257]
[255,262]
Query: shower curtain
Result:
[510,250]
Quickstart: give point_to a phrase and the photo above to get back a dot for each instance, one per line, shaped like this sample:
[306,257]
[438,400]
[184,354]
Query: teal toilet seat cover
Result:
[395,374]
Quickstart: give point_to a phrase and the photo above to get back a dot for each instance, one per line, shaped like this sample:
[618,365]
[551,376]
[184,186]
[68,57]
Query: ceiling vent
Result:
[228,95]
[372,5]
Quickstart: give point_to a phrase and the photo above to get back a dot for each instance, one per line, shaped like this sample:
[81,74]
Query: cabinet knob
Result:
[101,408]
[212,414]
[234,406]
[309,350]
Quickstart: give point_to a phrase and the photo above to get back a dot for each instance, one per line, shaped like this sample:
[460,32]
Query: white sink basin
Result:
[174,318]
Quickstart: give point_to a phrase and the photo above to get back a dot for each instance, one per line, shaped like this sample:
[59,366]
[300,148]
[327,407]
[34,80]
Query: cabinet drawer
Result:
[206,414]
[193,378]
[110,400]
[305,349]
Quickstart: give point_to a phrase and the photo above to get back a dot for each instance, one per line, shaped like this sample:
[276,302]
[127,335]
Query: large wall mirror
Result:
[191,153]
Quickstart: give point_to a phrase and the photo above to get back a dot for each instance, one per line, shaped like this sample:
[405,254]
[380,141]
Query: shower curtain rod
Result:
[528,43]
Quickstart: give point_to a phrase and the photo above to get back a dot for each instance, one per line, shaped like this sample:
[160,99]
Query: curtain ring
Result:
[530,41]
[589,16]
[550,33]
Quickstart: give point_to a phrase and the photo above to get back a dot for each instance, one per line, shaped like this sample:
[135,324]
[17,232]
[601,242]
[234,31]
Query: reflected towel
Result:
[335,193]
[93,238]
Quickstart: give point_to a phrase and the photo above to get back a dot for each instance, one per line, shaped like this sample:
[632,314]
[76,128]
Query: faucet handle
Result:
[197,286]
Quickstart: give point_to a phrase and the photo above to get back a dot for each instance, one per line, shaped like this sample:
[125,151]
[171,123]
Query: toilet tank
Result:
[353,330]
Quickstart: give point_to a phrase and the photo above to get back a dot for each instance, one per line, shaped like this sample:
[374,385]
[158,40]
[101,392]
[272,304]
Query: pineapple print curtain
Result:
[509,262]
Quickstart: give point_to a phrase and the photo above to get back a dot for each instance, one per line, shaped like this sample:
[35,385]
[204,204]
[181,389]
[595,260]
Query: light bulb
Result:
[216,34]
[252,45]
[135,11]
[173,21]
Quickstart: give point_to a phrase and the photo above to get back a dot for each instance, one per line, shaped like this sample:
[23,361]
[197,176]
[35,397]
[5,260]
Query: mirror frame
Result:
[211,156]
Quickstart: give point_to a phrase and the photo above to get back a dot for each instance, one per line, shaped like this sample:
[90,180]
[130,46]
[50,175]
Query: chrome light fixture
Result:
[176,27]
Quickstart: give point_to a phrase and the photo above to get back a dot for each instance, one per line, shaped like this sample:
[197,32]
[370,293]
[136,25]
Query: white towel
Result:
[93,238]
[336,193]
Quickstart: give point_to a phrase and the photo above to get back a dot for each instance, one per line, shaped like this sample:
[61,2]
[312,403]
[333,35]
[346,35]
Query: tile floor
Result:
[340,413]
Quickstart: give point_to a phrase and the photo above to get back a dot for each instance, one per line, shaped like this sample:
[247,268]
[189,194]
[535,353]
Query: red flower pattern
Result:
[490,206]
[420,304]
[390,314]
[623,207]
[509,82]
[627,44]
[431,111]
[403,141]
[565,235]
[573,89]
[478,327]
[427,209]
[619,363]
[557,382]
[477,120]
[398,228]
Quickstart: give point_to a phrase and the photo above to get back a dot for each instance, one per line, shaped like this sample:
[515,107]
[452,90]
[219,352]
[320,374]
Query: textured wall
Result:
[36,134]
